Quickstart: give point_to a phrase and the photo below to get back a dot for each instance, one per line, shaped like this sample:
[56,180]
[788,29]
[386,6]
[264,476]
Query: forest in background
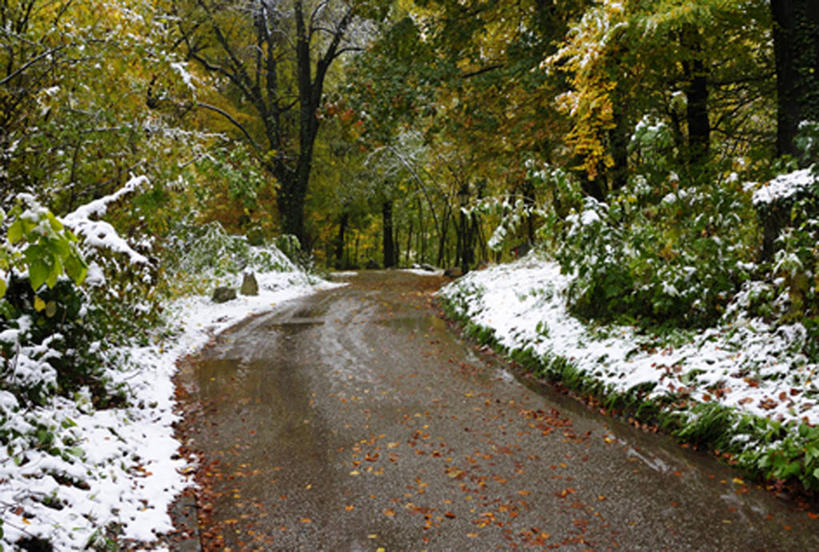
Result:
[662,152]
[440,132]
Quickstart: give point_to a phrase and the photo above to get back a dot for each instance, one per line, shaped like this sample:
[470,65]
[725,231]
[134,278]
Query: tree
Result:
[271,60]
[796,47]
[620,68]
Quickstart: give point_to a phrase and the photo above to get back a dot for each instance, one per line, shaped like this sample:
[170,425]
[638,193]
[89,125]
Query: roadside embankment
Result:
[744,389]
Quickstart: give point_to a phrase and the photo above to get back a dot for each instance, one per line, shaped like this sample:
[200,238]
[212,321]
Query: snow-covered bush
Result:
[73,290]
[660,251]
[197,256]
[45,341]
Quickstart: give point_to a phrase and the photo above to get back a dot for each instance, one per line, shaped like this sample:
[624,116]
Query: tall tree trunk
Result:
[290,202]
[396,241]
[465,251]
[442,253]
[340,239]
[696,92]
[796,49]
[389,245]
[422,242]
[409,244]
[619,138]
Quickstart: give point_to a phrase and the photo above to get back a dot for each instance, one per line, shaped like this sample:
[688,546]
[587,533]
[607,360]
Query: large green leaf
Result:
[54,272]
[75,267]
[38,272]
[15,233]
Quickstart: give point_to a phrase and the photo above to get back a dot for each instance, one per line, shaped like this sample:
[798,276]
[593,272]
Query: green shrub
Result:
[673,258]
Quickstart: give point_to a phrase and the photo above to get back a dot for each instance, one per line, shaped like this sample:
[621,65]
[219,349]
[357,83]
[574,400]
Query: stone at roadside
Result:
[249,284]
[223,294]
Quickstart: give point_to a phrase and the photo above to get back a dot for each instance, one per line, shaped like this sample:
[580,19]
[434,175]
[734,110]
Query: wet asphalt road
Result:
[355,419]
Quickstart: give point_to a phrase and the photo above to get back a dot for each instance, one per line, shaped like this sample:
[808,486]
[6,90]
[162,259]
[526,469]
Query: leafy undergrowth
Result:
[88,458]
[743,389]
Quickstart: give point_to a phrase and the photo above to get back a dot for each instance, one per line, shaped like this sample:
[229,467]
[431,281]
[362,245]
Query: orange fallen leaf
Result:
[389,512]
[306,520]
[349,508]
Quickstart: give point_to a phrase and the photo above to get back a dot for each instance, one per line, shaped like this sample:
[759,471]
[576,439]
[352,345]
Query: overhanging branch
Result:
[232,120]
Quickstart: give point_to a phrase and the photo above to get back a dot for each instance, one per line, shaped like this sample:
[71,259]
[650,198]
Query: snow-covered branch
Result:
[98,233]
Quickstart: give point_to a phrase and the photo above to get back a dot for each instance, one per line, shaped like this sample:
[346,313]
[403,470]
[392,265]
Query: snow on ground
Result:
[424,271]
[747,365]
[122,461]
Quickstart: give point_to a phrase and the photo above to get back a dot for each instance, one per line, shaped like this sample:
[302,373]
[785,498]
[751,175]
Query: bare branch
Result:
[233,121]
[29,63]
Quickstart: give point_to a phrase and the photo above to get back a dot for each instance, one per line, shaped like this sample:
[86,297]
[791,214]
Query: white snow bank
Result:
[122,461]
[749,365]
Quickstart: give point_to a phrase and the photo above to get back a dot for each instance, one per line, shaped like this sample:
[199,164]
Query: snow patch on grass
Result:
[747,365]
[117,471]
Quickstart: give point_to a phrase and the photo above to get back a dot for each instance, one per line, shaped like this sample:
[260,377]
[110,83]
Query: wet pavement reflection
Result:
[355,419]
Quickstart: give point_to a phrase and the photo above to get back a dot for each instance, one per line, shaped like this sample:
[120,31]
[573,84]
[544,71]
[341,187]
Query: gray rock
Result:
[249,284]
[223,294]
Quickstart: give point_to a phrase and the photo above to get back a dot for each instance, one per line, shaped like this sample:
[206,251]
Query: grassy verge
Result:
[779,454]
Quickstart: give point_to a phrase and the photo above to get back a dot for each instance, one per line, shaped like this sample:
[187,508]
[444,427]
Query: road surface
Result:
[356,419]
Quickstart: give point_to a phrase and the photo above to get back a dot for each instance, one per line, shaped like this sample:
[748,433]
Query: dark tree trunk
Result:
[796,49]
[696,92]
[466,234]
[340,239]
[594,188]
[442,253]
[286,128]
[422,242]
[387,232]
[619,138]
[290,202]
[409,244]
[396,241]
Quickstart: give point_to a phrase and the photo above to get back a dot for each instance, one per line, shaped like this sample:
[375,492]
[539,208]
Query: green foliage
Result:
[807,142]
[662,250]
[59,346]
[196,256]
[794,269]
[237,171]
[39,245]
[709,424]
